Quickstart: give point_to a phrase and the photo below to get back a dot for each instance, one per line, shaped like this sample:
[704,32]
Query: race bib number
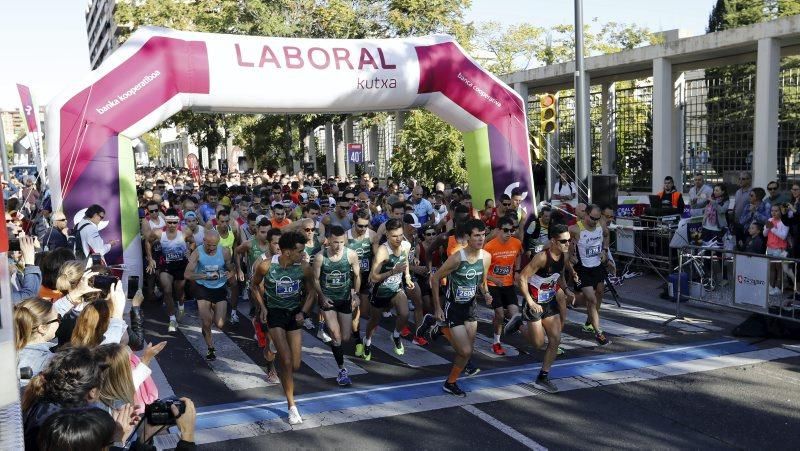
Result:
[593,251]
[287,287]
[363,264]
[212,270]
[174,255]
[464,294]
[545,296]
[334,280]
[502,270]
[394,279]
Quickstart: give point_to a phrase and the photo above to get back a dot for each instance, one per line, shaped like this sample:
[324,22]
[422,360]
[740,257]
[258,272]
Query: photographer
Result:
[28,285]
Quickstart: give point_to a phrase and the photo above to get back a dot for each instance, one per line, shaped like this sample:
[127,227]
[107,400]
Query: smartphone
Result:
[133,286]
[103,282]
[97,259]
[13,244]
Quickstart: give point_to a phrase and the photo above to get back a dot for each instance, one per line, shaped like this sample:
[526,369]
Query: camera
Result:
[13,244]
[102,282]
[159,412]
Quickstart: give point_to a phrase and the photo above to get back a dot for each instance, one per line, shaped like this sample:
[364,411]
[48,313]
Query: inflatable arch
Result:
[158,72]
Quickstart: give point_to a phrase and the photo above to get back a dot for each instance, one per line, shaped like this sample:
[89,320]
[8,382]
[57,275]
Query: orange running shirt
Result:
[504,257]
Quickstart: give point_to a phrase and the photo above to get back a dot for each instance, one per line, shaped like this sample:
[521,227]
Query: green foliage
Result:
[153,144]
[430,150]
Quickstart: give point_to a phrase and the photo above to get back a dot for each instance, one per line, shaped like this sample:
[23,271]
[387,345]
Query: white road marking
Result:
[653,316]
[414,406]
[483,344]
[414,356]
[504,428]
[319,357]
[233,367]
[614,328]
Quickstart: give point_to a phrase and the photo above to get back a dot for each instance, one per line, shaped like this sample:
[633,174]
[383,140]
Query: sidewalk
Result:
[645,291]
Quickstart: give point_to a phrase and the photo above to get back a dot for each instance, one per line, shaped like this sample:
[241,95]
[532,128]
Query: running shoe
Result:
[173,326]
[343,379]
[398,346]
[560,351]
[601,338]
[367,353]
[424,330]
[272,376]
[181,310]
[359,349]
[387,314]
[294,416]
[308,324]
[322,335]
[471,370]
[513,324]
[453,389]
[234,317]
[211,355]
[544,383]
[588,328]
[405,332]
[419,341]
[497,348]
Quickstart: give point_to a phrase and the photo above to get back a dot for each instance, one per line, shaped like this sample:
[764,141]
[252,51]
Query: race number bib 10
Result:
[287,287]
[465,294]
[502,270]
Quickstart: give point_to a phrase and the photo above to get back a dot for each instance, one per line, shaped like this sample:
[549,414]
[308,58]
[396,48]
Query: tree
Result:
[430,150]
[153,144]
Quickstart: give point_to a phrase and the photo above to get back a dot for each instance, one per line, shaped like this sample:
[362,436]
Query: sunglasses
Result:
[308,229]
[57,320]
[506,204]
[152,211]
[772,188]
[508,230]
[594,218]
[362,226]
[563,241]
[172,222]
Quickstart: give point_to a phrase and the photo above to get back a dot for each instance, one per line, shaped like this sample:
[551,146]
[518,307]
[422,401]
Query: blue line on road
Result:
[261,410]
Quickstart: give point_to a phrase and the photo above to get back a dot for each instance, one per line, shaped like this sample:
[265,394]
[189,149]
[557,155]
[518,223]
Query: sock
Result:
[543,373]
[395,334]
[368,341]
[172,318]
[338,354]
[454,373]
[496,338]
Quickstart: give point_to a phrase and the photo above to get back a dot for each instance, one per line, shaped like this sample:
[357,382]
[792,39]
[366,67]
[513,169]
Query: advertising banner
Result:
[750,286]
[28,108]
[194,167]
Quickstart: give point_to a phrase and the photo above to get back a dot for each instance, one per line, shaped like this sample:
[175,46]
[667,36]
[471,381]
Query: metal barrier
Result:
[645,244]
[737,280]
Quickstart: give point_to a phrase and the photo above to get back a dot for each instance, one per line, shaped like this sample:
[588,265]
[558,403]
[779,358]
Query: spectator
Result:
[50,265]
[755,241]
[792,219]
[55,237]
[670,196]
[776,233]
[27,284]
[564,191]
[9,188]
[41,222]
[699,195]
[90,237]
[77,429]
[755,211]
[742,196]
[36,322]
[715,221]
[774,197]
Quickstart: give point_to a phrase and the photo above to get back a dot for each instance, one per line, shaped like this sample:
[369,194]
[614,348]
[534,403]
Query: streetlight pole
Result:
[582,144]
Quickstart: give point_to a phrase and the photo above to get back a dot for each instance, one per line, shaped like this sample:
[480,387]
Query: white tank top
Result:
[159,225]
[174,250]
[590,245]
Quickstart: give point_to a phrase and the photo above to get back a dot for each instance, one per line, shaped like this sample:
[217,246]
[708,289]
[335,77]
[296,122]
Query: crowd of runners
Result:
[321,254]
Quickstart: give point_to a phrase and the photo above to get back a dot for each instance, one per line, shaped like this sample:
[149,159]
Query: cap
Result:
[412,220]
[190,215]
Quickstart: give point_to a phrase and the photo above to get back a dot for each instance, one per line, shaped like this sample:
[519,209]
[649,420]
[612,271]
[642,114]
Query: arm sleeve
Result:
[31,282]
[95,241]
[116,328]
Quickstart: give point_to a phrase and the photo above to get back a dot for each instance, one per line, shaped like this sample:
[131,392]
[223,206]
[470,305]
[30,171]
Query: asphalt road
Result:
[686,385]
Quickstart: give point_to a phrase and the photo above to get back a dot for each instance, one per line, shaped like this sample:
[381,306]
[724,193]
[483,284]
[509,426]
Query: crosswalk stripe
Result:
[570,342]
[233,367]
[316,355]
[414,356]
[483,344]
[319,357]
[614,328]
[658,317]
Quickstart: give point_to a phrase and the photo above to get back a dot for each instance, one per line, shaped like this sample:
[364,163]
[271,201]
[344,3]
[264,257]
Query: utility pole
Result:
[582,144]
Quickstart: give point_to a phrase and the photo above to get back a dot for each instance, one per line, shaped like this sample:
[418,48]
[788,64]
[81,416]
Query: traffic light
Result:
[548,113]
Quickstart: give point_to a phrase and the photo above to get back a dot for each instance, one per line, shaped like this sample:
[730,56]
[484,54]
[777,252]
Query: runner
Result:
[589,257]
[388,269]
[466,272]
[211,267]
[359,239]
[229,239]
[506,251]
[337,293]
[281,306]
[411,226]
[174,251]
[542,284]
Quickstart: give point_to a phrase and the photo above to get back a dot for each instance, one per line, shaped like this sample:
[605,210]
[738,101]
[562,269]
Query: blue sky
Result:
[44,41]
